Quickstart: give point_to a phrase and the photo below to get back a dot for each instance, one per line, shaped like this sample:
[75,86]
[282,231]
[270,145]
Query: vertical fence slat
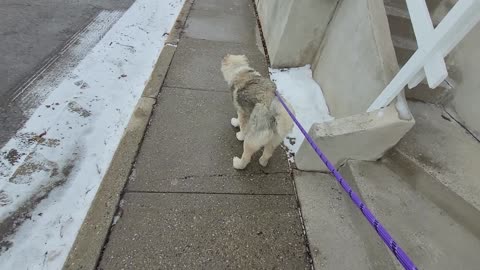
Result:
[435,69]
[464,15]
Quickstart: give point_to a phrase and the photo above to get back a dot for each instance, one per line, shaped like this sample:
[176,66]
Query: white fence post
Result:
[451,30]
[435,69]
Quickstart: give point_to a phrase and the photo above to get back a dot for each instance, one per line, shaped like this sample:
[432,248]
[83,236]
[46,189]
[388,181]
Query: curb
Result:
[88,246]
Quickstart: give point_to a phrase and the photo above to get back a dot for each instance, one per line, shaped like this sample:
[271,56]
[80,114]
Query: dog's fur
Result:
[261,117]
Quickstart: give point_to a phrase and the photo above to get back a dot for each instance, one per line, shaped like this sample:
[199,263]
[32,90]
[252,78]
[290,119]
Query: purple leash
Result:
[382,232]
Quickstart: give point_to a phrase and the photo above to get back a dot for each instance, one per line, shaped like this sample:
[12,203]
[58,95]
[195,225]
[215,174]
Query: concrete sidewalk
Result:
[185,207]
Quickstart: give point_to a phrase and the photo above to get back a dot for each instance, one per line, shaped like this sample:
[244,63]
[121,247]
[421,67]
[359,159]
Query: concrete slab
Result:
[365,136]
[445,150]
[277,183]
[233,7]
[220,26]
[196,63]
[200,231]
[432,238]
[190,135]
[335,228]
[429,186]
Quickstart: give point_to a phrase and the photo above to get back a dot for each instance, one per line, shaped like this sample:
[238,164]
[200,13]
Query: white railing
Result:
[433,46]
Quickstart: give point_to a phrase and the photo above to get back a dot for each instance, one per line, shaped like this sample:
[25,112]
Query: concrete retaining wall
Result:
[357,59]
[365,136]
[464,65]
[293,30]
[349,46]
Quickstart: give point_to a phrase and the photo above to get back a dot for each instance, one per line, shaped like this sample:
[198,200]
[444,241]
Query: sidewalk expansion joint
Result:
[223,175]
[224,13]
[246,44]
[196,89]
[210,193]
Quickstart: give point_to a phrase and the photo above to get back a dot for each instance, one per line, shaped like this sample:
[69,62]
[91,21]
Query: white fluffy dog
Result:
[261,117]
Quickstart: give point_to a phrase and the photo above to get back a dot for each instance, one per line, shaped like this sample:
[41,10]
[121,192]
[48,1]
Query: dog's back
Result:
[250,88]
[255,96]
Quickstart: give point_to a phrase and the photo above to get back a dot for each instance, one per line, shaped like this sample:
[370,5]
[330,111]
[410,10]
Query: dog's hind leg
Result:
[236,121]
[248,150]
[268,150]
[242,123]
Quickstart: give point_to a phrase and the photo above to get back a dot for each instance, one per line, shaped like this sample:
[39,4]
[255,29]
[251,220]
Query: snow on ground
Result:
[51,170]
[305,96]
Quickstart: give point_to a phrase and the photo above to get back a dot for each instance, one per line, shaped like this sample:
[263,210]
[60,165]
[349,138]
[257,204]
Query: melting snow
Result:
[51,170]
[305,96]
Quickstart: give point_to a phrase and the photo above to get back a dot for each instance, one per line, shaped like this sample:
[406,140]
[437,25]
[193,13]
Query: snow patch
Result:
[305,96]
[51,170]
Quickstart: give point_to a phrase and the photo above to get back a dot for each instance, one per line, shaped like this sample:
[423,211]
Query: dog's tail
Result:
[261,126]
[284,124]
[262,118]
[267,121]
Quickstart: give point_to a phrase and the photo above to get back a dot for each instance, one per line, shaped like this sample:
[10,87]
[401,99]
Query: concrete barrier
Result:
[349,45]
[463,65]
[293,30]
[365,136]
[357,59]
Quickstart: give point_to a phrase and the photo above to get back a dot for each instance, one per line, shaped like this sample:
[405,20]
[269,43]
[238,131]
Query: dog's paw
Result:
[238,164]
[263,161]
[240,136]
[235,122]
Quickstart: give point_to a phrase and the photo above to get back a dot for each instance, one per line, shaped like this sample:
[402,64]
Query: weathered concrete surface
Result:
[339,237]
[428,185]
[242,8]
[273,11]
[206,231]
[203,57]
[274,183]
[185,207]
[429,235]
[213,25]
[443,149]
[364,136]
[423,192]
[294,29]
[190,135]
[357,59]
[463,64]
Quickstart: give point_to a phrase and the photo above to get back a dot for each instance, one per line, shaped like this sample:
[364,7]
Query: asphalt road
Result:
[31,33]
